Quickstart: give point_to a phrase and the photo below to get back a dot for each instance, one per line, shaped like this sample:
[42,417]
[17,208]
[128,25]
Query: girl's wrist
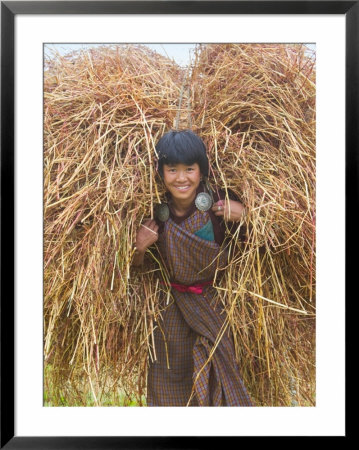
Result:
[138,257]
[140,250]
[241,217]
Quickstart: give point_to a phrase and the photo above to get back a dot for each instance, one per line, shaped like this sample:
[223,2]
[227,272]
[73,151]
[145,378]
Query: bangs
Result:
[179,156]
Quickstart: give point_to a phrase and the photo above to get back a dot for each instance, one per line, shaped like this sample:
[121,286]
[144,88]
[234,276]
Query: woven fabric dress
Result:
[195,363]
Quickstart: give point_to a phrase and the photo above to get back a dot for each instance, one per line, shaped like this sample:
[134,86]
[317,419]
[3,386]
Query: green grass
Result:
[80,394]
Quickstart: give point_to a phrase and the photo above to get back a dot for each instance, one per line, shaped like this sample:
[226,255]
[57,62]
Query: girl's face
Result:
[182,181]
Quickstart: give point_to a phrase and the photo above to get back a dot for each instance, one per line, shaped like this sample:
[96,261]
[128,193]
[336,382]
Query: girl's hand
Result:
[229,209]
[146,235]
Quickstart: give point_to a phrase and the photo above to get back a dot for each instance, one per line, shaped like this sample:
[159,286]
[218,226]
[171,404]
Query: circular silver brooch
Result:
[203,201]
[162,212]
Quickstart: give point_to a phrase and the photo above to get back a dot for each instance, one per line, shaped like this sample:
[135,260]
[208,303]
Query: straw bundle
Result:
[255,108]
[104,110]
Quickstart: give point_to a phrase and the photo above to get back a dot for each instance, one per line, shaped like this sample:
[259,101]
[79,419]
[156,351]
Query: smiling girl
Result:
[195,363]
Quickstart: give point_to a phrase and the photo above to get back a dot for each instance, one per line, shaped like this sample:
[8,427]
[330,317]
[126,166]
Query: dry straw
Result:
[254,105]
[104,109]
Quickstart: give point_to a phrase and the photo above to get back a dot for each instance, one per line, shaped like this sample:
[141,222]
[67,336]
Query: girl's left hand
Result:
[229,209]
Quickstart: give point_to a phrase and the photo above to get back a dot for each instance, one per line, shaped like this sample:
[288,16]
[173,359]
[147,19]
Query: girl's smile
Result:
[182,182]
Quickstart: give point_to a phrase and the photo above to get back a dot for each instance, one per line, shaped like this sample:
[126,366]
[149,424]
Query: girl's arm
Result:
[146,236]
[138,258]
[230,210]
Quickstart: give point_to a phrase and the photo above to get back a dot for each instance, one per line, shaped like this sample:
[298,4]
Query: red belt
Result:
[194,289]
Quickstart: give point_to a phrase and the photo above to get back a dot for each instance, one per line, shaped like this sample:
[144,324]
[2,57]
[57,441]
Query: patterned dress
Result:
[195,363]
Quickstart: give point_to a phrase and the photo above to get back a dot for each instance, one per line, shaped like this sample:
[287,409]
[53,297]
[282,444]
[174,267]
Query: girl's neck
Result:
[181,208]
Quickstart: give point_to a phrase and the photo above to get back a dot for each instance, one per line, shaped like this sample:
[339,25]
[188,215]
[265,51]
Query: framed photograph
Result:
[54,147]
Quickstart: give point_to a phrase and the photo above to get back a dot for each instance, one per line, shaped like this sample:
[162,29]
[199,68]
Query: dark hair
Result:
[182,147]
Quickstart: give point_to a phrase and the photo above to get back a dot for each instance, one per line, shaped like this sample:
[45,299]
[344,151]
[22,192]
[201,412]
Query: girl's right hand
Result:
[146,235]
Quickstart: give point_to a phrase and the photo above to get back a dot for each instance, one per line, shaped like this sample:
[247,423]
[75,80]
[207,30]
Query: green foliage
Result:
[81,395]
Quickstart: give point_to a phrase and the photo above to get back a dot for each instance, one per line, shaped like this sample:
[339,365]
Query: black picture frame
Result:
[9,10]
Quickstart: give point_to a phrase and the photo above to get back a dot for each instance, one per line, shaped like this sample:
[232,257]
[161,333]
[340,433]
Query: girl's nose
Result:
[181,175]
